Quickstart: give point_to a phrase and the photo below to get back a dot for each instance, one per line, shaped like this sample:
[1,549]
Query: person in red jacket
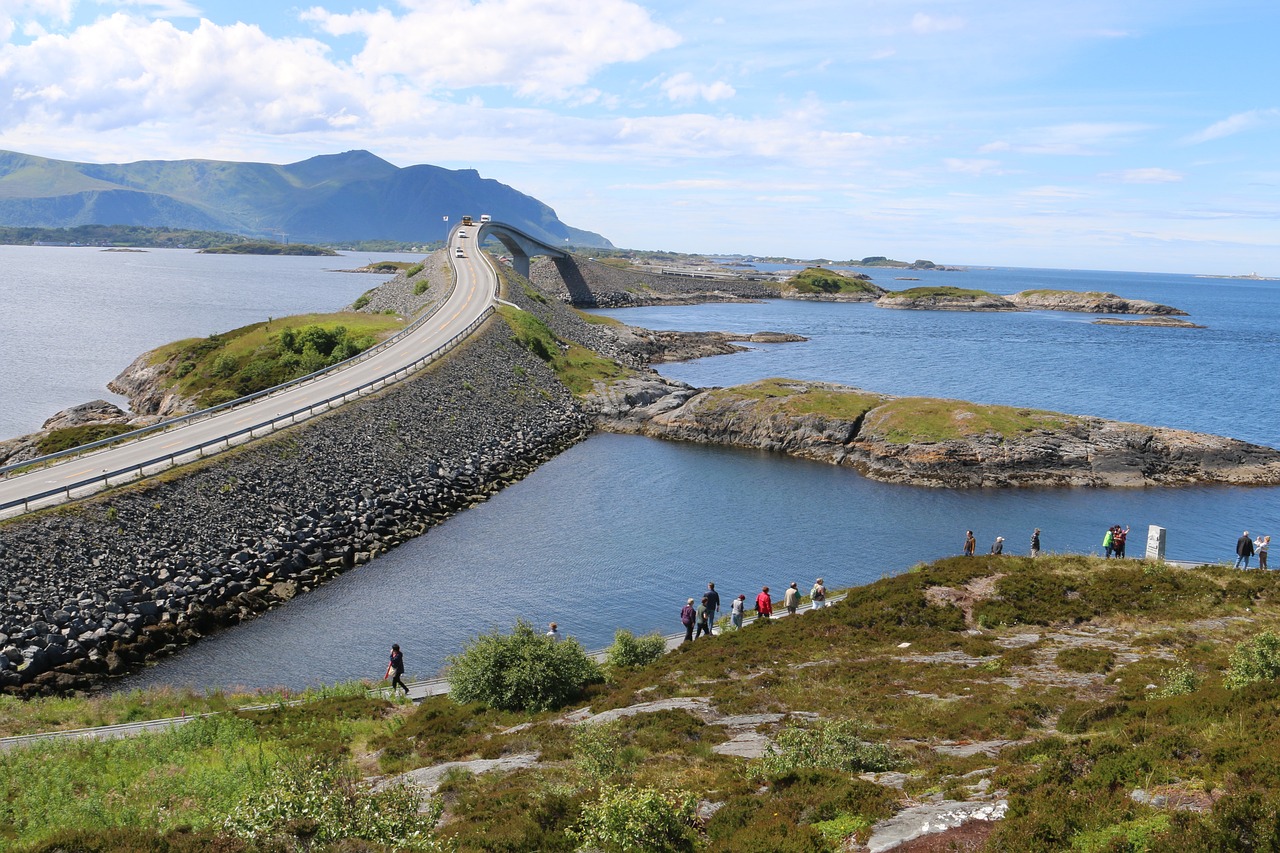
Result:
[764,604]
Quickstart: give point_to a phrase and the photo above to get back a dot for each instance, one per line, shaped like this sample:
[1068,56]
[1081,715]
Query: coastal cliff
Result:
[931,442]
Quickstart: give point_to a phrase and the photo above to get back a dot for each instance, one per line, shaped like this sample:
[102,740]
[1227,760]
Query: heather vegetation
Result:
[941,293]
[576,366]
[1115,705]
[819,280]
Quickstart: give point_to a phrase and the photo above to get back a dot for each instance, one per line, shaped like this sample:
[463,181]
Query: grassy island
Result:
[941,293]
[911,420]
[1099,705]
[818,280]
[262,248]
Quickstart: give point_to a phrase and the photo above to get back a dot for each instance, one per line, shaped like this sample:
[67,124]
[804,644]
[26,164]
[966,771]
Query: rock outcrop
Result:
[144,383]
[650,347]
[1157,322]
[1089,302]
[942,443]
[945,299]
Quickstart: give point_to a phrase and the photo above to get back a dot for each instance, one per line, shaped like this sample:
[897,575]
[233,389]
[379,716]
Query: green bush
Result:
[837,745]
[1178,680]
[1253,660]
[223,367]
[520,671]
[421,287]
[629,651]
[638,819]
[413,270]
[361,301]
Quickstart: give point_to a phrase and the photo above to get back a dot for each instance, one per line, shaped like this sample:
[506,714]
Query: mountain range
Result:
[326,199]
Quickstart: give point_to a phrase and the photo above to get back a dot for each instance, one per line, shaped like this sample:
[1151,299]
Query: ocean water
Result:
[73,318]
[618,531]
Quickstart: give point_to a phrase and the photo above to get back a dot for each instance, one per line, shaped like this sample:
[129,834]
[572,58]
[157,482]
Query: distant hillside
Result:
[328,199]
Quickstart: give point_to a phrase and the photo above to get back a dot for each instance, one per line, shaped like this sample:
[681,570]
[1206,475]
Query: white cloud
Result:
[27,13]
[1147,176]
[682,88]
[1234,124]
[923,24]
[539,48]
[1077,139]
[973,166]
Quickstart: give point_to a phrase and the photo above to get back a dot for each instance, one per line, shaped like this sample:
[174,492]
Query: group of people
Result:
[1246,548]
[997,547]
[1113,541]
[701,618]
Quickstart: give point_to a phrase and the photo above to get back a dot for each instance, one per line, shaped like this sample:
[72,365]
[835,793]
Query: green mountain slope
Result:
[331,198]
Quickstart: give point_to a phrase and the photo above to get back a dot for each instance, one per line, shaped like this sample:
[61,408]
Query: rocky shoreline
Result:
[980,446]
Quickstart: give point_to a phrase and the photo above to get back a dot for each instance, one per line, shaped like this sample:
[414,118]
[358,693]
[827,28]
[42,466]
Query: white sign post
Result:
[1155,543]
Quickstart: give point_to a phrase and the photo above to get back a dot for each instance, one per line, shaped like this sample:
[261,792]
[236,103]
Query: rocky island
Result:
[1089,302]
[945,299]
[931,442]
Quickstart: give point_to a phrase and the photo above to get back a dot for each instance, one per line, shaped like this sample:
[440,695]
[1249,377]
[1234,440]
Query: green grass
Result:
[798,398]
[576,366]
[58,440]
[231,364]
[597,319]
[819,280]
[940,293]
[926,419]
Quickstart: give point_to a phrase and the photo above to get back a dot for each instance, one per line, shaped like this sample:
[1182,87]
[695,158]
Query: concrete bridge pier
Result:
[520,245]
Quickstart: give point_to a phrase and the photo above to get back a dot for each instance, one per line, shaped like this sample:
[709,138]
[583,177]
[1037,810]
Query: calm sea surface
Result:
[619,530]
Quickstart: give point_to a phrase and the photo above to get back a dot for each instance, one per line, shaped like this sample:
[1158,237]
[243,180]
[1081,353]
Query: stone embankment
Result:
[971,445]
[96,589]
[590,284]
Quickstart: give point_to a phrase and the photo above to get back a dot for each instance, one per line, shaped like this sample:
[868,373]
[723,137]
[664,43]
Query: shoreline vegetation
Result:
[1064,702]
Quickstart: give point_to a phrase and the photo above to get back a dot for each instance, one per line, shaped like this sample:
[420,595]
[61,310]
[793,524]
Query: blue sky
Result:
[1140,135]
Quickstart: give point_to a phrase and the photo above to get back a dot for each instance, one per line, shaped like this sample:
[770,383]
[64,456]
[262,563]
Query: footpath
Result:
[418,690]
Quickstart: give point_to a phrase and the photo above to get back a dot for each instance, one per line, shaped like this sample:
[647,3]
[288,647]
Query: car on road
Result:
[459,253]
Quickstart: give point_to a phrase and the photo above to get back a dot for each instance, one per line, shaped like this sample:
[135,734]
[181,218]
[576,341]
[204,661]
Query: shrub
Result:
[837,745]
[1178,680]
[599,751]
[638,819]
[520,671]
[327,803]
[361,301]
[223,367]
[421,287]
[413,270]
[1253,660]
[629,651]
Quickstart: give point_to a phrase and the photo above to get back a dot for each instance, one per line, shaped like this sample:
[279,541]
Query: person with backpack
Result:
[764,604]
[687,616]
[818,595]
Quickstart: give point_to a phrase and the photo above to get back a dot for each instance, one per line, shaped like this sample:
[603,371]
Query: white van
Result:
[484,217]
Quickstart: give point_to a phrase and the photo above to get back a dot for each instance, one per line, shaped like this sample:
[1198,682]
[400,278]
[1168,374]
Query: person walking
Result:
[997,547]
[1118,539]
[687,617]
[970,544]
[818,595]
[713,606]
[554,633]
[735,611]
[1035,543]
[791,599]
[395,669]
[1244,550]
[1260,548]
[764,604]
[703,613]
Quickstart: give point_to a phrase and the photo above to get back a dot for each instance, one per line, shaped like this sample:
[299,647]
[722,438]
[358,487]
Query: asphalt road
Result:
[476,290]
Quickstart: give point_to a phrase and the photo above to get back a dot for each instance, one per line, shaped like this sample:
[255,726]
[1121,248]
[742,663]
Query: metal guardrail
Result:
[225,442]
[164,426]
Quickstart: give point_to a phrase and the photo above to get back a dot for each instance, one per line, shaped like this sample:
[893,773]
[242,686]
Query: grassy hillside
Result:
[222,367]
[818,280]
[1115,705]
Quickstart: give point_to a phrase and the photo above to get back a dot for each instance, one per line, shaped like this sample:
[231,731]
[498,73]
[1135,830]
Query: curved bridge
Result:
[78,473]
[519,244]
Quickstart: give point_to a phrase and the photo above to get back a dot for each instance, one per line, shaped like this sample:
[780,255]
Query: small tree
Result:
[520,671]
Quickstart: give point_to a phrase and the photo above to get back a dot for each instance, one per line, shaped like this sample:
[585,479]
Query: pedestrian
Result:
[1244,550]
[997,547]
[703,613]
[1108,541]
[713,606]
[1118,539]
[395,669]
[791,599]
[554,633]
[764,604]
[1260,548]
[970,544]
[735,610]
[818,595]
[687,617]
[1035,543]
